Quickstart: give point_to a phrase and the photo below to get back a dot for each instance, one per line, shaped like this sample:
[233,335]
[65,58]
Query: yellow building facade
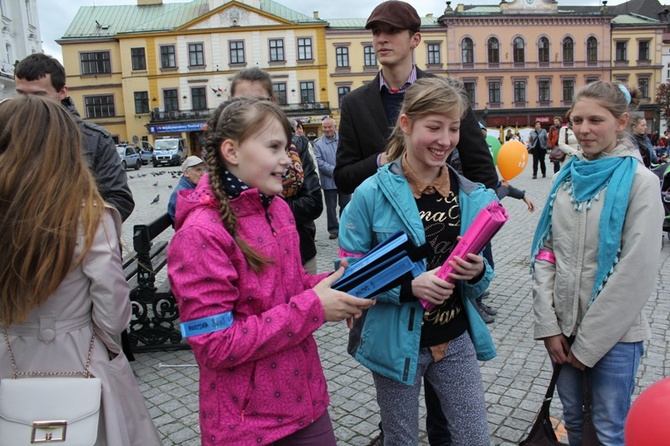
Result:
[153,70]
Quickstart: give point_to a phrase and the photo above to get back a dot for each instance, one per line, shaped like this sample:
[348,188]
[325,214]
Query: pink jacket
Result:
[260,379]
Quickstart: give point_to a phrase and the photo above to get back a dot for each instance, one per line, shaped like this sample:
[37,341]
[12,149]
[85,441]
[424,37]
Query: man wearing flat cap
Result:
[368,115]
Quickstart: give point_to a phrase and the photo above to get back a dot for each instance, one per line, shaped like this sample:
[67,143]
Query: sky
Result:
[56,15]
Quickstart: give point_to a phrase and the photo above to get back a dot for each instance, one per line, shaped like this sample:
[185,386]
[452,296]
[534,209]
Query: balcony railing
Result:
[202,115]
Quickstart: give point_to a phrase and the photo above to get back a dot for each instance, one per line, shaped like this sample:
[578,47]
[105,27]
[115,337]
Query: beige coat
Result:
[561,292]
[56,337]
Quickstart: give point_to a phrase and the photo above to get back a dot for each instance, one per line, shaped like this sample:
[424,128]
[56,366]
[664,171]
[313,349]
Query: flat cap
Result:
[396,13]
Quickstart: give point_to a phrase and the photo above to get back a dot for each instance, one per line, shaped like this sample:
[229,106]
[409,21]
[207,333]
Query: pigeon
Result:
[156,183]
[169,186]
[158,197]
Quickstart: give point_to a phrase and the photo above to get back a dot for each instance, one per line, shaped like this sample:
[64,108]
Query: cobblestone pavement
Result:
[515,381]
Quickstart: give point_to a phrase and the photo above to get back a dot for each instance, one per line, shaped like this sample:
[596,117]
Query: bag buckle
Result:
[48,431]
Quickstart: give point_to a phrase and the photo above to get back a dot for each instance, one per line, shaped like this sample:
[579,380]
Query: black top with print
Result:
[441,218]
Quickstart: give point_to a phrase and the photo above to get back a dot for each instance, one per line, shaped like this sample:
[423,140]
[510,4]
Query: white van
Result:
[170,150]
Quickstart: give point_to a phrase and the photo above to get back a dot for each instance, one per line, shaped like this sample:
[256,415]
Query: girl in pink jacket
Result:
[247,306]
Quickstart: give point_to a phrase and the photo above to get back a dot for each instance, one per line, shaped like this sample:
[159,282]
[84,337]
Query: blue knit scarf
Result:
[584,180]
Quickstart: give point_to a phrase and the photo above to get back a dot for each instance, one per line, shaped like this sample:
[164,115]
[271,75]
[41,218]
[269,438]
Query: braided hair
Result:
[236,119]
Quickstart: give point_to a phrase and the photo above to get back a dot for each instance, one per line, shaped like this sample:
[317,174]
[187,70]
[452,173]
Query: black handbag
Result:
[542,432]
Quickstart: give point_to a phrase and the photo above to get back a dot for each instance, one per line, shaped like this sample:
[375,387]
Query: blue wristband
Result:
[208,324]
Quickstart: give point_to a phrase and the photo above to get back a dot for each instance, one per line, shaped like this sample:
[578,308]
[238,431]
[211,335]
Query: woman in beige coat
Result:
[60,269]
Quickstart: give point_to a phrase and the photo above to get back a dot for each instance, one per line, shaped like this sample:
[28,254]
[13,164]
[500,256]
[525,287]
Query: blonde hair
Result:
[427,96]
[237,119]
[611,96]
[47,195]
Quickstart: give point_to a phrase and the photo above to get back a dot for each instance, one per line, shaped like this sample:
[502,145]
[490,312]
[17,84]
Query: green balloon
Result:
[494,147]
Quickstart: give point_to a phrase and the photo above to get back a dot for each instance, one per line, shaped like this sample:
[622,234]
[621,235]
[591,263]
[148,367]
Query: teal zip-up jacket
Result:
[381,205]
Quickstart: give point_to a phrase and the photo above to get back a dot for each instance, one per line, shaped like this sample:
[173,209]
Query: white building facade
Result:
[19,37]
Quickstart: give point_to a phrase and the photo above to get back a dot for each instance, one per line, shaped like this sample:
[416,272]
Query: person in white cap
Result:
[193,169]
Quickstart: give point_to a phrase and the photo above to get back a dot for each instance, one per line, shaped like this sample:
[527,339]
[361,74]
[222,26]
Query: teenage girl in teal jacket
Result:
[400,341]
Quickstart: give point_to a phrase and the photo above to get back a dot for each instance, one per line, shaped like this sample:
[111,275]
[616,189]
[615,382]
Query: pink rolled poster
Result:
[485,225]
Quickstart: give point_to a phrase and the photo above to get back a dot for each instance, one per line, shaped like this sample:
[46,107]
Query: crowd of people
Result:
[409,155]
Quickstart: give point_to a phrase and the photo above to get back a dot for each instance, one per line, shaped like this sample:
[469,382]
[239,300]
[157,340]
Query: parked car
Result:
[146,152]
[129,155]
[170,150]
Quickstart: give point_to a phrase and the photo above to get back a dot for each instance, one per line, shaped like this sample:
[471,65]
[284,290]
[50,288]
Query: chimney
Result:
[149,2]
[316,15]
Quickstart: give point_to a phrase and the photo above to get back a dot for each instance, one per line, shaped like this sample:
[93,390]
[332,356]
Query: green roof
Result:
[92,22]
[634,19]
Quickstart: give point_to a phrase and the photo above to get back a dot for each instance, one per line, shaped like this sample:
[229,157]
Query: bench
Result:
[155,320]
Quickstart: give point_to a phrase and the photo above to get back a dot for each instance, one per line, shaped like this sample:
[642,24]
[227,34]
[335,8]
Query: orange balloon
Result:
[512,158]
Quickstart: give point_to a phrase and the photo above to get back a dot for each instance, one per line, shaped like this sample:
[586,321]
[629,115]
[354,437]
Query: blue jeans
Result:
[612,385]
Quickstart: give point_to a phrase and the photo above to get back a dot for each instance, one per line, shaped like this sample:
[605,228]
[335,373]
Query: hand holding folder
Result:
[485,225]
[386,266]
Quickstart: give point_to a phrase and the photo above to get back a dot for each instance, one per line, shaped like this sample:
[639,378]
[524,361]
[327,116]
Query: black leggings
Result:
[538,157]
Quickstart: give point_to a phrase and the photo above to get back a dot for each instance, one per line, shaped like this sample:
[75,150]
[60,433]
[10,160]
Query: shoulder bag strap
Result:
[15,371]
[566,135]
[552,386]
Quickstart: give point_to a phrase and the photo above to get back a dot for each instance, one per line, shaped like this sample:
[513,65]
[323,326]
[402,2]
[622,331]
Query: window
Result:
[544,91]
[369,59]
[469,88]
[568,90]
[305,48]
[99,106]
[141,102]
[643,50]
[138,59]
[279,91]
[307,93]
[519,51]
[170,101]
[236,49]
[592,50]
[196,55]
[9,53]
[643,86]
[543,50]
[434,56]
[95,63]
[342,57]
[621,55]
[467,51]
[568,50]
[494,92]
[29,12]
[168,59]
[493,49]
[342,92]
[277,50]
[198,98]
[519,91]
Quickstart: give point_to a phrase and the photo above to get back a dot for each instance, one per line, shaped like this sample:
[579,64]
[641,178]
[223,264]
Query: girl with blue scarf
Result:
[594,260]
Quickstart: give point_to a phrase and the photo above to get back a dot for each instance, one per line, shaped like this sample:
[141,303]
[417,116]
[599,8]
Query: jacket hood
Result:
[190,199]
[625,147]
